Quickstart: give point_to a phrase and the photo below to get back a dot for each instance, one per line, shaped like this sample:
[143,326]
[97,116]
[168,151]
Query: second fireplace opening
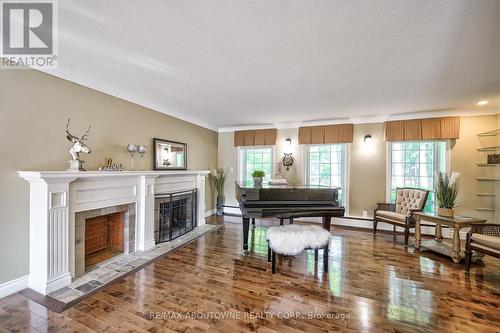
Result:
[175,215]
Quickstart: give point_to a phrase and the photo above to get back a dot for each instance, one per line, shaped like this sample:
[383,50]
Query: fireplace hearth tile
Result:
[112,275]
[125,268]
[115,265]
[66,294]
[81,280]
[139,262]
[89,286]
[119,266]
[98,270]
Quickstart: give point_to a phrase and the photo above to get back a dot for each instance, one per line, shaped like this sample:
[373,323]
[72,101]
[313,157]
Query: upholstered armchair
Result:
[399,214]
[482,238]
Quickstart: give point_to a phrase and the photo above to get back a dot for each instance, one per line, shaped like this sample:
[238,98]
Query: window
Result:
[256,158]
[325,165]
[413,164]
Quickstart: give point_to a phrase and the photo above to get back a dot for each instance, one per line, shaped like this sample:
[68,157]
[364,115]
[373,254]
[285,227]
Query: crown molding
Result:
[245,127]
[491,111]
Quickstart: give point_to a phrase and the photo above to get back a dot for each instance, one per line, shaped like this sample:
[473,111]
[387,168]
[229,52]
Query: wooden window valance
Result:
[422,129]
[341,133]
[264,137]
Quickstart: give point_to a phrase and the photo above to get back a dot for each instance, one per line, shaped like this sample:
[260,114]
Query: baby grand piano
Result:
[286,201]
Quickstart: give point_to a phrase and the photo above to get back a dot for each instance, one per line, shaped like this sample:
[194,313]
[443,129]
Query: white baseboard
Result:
[232,210]
[13,286]
[358,222]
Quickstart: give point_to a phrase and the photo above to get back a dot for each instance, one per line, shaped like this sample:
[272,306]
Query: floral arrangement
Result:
[446,189]
[217,177]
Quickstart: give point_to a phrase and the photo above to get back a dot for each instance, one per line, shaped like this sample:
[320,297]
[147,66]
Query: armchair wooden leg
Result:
[281,221]
[291,220]
[325,258]
[253,221]
[315,255]
[407,235]
[468,260]
[375,227]
[468,252]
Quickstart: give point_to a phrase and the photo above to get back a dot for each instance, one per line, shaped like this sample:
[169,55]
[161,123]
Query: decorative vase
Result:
[220,205]
[257,181]
[445,212]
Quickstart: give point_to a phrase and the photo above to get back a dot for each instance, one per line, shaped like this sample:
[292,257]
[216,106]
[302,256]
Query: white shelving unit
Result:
[488,176]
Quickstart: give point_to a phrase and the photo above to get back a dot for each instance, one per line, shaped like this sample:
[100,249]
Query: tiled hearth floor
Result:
[93,259]
[122,264]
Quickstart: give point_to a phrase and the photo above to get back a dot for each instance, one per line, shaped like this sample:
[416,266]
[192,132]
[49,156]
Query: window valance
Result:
[422,129]
[263,137]
[341,133]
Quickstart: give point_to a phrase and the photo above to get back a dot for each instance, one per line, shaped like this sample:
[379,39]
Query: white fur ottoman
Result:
[293,239]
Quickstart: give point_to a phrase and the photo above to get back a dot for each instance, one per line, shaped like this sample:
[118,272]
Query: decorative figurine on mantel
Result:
[76,164]
[109,165]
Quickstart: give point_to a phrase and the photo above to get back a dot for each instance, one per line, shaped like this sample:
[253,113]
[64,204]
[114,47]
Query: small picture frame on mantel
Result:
[169,155]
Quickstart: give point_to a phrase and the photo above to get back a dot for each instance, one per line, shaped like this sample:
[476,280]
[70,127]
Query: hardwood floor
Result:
[373,285]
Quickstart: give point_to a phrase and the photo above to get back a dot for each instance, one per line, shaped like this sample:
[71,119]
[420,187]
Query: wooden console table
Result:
[439,245]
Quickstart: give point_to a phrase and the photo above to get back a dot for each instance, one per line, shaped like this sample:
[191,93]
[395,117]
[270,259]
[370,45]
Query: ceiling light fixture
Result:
[482,103]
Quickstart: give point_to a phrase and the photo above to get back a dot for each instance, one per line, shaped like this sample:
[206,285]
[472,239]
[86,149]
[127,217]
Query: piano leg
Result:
[281,220]
[246,227]
[253,221]
[325,258]
[273,261]
[327,222]
[268,252]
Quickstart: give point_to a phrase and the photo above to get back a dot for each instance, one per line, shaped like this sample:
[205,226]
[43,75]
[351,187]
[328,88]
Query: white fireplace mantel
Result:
[56,196]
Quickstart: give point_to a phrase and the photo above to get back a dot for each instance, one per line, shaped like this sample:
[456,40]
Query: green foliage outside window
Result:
[414,164]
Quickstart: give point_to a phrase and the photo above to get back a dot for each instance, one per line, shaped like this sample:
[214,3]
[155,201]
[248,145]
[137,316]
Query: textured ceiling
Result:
[229,63]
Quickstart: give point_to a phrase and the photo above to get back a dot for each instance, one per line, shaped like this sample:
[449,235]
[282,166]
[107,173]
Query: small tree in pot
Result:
[217,177]
[257,177]
[447,188]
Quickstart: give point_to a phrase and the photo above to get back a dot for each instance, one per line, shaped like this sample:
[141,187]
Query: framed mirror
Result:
[169,155]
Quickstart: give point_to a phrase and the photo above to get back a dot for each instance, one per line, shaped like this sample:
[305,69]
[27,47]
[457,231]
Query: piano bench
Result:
[290,240]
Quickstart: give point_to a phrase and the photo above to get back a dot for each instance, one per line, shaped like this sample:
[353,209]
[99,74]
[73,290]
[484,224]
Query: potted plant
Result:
[217,177]
[447,188]
[257,177]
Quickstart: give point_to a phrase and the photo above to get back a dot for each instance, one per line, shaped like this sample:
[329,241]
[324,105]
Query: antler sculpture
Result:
[77,148]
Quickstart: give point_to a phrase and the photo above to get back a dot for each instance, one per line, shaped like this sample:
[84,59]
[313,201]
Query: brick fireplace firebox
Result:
[101,234]
[103,238]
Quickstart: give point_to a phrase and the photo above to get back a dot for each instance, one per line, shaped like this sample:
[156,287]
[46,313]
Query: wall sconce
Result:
[287,160]
[368,139]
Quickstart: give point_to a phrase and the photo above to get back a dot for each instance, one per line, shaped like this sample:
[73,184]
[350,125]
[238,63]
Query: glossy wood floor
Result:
[373,285]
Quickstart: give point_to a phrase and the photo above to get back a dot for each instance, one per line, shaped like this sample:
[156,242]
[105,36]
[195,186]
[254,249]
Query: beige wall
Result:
[463,160]
[367,166]
[367,170]
[34,108]
[228,158]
